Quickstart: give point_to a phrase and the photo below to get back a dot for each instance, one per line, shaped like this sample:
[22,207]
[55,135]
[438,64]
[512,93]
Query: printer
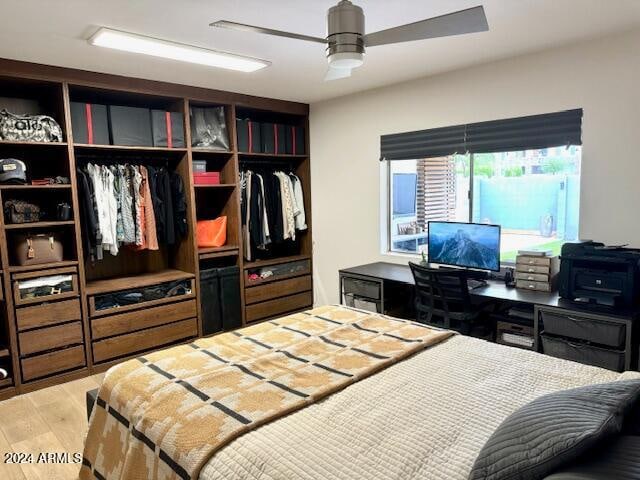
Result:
[596,274]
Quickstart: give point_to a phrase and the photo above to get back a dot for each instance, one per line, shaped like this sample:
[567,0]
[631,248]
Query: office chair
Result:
[442,299]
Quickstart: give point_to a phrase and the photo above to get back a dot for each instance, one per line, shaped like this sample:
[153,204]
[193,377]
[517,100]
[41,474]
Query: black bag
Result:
[209,128]
[28,128]
[19,211]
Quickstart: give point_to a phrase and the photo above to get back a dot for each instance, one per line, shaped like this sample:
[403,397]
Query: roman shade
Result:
[522,133]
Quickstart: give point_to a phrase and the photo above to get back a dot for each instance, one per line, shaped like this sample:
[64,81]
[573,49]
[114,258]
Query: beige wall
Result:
[603,77]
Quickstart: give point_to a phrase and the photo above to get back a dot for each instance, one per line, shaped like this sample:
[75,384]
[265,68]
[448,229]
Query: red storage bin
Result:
[206,178]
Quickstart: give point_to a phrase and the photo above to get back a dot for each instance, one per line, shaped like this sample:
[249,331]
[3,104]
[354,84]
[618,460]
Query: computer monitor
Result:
[468,245]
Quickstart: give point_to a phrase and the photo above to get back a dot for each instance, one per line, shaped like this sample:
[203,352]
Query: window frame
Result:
[387,242]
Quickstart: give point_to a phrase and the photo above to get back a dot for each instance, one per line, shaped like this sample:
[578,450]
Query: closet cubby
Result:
[123,306]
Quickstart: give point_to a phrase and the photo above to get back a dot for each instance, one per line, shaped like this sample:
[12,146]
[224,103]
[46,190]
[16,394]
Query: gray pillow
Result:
[554,430]
[620,460]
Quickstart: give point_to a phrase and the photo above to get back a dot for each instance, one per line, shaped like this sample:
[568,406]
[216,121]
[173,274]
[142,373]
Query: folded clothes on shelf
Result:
[146,294]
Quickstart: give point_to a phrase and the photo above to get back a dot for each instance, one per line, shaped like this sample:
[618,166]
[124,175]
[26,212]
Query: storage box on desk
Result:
[536,272]
[206,178]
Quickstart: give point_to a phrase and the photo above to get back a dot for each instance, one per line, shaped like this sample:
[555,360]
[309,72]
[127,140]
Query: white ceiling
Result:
[54,32]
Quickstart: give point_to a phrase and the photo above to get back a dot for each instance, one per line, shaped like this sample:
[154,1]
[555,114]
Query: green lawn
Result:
[555,246]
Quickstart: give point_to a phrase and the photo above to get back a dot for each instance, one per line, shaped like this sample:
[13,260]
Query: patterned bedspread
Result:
[166,414]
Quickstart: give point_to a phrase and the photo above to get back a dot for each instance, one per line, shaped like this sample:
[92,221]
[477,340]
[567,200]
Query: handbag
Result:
[29,128]
[209,128]
[212,233]
[31,249]
[20,211]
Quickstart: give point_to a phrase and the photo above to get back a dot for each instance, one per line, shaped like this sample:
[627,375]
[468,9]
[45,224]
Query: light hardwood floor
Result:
[50,420]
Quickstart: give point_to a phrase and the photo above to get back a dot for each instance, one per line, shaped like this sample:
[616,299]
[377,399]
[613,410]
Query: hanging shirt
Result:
[298,195]
[126,205]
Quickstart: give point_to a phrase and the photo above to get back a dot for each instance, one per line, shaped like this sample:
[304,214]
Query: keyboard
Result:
[473,284]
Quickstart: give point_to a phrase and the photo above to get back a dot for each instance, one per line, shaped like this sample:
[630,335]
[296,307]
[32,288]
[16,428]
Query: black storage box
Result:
[582,353]
[230,297]
[209,128]
[273,138]
[249,136]
[130,126]
[90,123]
[220,299]
[294,140]
[583,328]
[168,129]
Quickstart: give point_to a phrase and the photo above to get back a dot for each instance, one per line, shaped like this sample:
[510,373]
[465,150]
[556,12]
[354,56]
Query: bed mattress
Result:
[426,417]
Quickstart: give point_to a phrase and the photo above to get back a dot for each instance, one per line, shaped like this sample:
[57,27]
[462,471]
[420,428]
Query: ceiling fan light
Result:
[346,60]
[131,42]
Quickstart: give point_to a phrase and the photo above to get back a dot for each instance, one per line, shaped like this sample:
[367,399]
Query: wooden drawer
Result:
[532,277]
[52,362]
[47,314]
[151,338]
[539,261]
[103,327]
[278,306]
[277,289]
[538,286]
[521,267]
[20,277]
[44,339]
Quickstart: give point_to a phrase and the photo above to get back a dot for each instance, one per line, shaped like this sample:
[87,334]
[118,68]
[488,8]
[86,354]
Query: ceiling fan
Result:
[346,40]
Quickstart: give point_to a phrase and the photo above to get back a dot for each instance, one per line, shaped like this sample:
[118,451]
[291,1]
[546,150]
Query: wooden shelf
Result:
[33,144]
[127,148]
[24,226]
[271,155]
[218,252]
[210,151]
[4,352]
[220,185]
[7,382]
[43,266]
[275,261]
[58,186]
[97,287]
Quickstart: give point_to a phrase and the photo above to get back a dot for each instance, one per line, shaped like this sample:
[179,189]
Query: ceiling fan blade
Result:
[470,20]
[251,28]
[337,74]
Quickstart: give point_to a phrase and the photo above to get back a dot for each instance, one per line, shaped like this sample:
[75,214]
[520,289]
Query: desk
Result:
[394,286]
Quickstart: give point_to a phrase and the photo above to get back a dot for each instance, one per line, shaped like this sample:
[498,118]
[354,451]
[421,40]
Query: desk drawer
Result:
[53,362]
[523,268]
[566,324]
[537,286]
[361,288]
[532,277]
[44,339]
[102,327]
[47,314]
[539,261]
[582,353]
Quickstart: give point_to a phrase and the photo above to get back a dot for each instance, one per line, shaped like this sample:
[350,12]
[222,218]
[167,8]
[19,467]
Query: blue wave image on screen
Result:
[465,245]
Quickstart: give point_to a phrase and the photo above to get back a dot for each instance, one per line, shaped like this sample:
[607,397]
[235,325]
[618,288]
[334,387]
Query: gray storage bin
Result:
[360,303]
[362,288]
[582,353]
[584,328]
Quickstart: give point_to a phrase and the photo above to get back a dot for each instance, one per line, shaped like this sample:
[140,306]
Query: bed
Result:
[424,415]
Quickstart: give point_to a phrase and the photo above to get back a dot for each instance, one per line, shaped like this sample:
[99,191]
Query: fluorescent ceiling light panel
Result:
[131,42]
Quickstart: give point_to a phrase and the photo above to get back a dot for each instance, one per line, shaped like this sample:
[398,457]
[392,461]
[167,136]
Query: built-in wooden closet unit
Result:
[49,341]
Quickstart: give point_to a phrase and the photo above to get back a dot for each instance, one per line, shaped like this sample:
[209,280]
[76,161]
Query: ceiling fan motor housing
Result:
[345,32]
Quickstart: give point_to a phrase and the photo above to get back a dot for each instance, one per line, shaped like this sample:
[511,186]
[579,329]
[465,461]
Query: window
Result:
[533,194]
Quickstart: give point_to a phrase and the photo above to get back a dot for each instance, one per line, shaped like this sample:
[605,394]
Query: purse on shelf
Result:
[29,128]
[212,233]
[20,211]
[34,249]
